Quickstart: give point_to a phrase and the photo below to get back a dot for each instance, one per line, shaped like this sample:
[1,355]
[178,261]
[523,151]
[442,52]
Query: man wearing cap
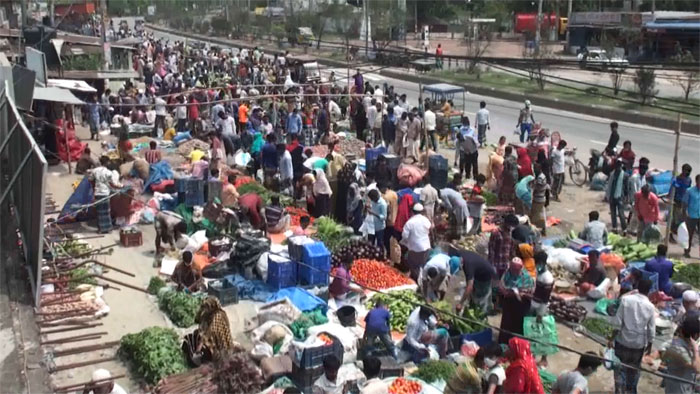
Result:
[416,237]
[102,383]
[525,121]
[689,307]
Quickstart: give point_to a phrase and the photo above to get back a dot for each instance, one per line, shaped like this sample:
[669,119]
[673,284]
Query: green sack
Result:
[544,331]
[607,306]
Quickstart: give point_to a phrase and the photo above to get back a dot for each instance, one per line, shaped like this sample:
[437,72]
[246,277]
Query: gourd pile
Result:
[354,250]
[153,353]
[631,250]
[400,304]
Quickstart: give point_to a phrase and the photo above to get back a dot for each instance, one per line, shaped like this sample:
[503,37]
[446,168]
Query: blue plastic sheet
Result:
[82,195]
[301,298]
[254,290]
[159,171]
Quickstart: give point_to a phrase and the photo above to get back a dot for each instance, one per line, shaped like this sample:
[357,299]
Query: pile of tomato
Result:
[242,180]
[377,274]
[405,386]
[296,214]
[327,341]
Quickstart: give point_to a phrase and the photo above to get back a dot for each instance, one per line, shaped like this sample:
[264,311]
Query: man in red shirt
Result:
[251,206]
[646,207]
[438,57]
[192,111]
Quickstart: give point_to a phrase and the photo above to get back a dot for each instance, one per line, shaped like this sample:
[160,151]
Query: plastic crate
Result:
[313,356]
[295,246]
[481,338]
[129,237]
[281,272]
[371,154]
[225,291]
[390,368]
[214,190]
[194,192]
[438,178]
[304,378]
[316,266]
[437,163]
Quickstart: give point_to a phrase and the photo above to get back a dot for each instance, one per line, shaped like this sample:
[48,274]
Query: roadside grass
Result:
[505,81]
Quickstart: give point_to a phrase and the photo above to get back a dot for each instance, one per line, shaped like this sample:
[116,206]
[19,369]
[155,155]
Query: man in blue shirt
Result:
[378,208]
[681,183]
[662,266]
[377,326]
[691,202]
[293,125]
[270,159]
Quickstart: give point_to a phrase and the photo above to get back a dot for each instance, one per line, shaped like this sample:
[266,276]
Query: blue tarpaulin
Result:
[254,290]
[301,298]
[159,171]
[82,195]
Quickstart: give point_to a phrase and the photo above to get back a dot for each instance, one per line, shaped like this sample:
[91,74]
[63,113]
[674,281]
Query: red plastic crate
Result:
[130,238]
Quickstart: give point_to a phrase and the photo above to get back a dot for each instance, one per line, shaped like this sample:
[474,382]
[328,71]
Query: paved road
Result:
[583,131]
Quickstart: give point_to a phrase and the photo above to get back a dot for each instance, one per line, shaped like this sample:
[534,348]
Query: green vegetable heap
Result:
[599,327]
[81,276]
[153,353]
[307,319]
[264,193]
[687,273]
[155,284]
[399,304]
[631,250]
[434,370]
[464,325]
[180,307]
[331,233]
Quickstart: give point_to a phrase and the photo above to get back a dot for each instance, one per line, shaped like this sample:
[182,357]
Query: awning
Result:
[56,95]
[71,84]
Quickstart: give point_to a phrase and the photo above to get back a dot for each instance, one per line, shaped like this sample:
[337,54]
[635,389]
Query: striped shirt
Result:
[152,156]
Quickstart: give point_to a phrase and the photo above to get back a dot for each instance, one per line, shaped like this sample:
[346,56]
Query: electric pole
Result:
[537,26]
[365,8]
[568,22]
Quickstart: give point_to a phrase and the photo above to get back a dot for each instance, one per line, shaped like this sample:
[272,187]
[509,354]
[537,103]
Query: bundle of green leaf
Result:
[79,276]
[180,307]
[434,370]
[687,273]
[153,353]
[72,248]
[629,249]
[489,197]
[155,284]
[599,326]
[331,233]
[264,193]
[469,323]
[300,326]
[400,304]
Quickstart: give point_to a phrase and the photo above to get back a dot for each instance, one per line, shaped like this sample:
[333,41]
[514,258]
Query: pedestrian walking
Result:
[525,121]
[483,122]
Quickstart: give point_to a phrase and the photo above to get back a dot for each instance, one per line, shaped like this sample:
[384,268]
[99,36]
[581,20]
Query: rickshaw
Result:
[446,123]
[304,68]
[301,36]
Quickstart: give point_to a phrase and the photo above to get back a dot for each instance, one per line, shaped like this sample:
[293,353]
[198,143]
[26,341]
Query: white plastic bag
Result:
[600,291]
[611,359]
[683,237]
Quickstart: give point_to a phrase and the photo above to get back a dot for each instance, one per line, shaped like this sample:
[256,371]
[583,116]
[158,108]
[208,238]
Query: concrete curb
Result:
[636,117]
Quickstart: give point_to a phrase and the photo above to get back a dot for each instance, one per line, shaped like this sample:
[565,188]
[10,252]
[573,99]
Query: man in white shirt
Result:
[104,180]
[101,384]
[430,125]
[420,332]
[286,169]
[416,237]
[329,382]
[372,123]
[483,122]
[161,112]
[558,166]
[372,366]
[227,126]
[576,381]
[181,115]
[636,319]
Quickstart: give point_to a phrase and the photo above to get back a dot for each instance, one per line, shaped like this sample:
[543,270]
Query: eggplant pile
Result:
[356,249]
[567,311]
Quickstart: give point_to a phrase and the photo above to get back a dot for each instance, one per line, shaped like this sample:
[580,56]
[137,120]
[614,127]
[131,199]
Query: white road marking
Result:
[599,142]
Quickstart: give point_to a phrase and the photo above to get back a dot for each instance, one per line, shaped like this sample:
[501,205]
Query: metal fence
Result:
[22,181]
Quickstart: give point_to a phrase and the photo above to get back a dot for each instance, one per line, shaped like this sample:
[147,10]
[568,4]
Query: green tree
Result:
[645,79]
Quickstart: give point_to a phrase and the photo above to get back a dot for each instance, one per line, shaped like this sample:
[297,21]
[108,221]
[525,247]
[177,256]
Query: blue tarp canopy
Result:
[72,209]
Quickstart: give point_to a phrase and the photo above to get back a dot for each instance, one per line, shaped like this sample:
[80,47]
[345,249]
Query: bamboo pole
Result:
[83,364]
[123,284]
[77,386]
[672,194]
[84,349]
[76,338]
[69,329]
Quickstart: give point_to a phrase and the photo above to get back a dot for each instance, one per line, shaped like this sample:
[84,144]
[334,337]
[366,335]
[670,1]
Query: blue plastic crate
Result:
[194,192]
[281,272]
[371,154]
[316,276]
[316,265]
[438,178]
[438,162]
[481,338]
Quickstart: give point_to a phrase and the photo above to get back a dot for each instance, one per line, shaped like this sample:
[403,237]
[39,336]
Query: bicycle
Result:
[577,170]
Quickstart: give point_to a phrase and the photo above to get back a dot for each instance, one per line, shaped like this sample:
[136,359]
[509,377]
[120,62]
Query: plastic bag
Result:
[683,236]
[607,306]
[651,234]
[543,331]
[600,291]
[611,360]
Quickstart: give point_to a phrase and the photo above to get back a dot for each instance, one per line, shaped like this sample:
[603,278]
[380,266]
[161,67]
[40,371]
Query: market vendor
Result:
[342,284]
[516,286]
[378,326]
[689,306]
[229,194]
[421,331]
[457,209]
[662,266]
[524,232]
[105,182]
[215,340]
[251,205]
[594,274]
[303,227]
[276,218]
[480,275]
[185,276]
[594,232]
[171,229]
[372,367]
[435,276]
[102,383]
[329,382]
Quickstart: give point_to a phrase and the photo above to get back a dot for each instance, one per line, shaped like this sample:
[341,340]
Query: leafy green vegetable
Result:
[489,197]
[180,307]
[81,276]
[434,370]
[153,353]
[599,326]
[307,319]
[688,273]
[462,325]
[155,284]
[331,233]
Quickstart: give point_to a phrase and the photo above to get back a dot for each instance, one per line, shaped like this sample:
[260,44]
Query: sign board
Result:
[36,61]
[151,10]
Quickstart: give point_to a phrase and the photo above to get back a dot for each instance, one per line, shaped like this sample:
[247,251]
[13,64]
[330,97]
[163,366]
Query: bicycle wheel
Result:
[578,173]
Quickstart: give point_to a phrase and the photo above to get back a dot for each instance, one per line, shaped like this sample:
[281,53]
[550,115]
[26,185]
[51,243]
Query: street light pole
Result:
[568,21]
[537,26]
[364,7]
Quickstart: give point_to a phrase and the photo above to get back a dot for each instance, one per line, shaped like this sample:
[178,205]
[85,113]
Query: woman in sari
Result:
[213,338]
[506,192]
[523,192]
[521,375]
[527,255]
[515,287]
[524,163]
[354,208]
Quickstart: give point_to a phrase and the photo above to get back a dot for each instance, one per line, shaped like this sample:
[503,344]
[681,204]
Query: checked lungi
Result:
[104,218]
[626,379]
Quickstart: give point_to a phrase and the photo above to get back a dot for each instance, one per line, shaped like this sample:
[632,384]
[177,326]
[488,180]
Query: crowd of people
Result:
[247,102]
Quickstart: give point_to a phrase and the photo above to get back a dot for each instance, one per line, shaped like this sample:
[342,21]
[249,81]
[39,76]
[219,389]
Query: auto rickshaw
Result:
[446,123]
[304,68]
[301,36]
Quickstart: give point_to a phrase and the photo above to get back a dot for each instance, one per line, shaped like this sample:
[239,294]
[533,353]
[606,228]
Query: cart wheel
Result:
[578,173]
